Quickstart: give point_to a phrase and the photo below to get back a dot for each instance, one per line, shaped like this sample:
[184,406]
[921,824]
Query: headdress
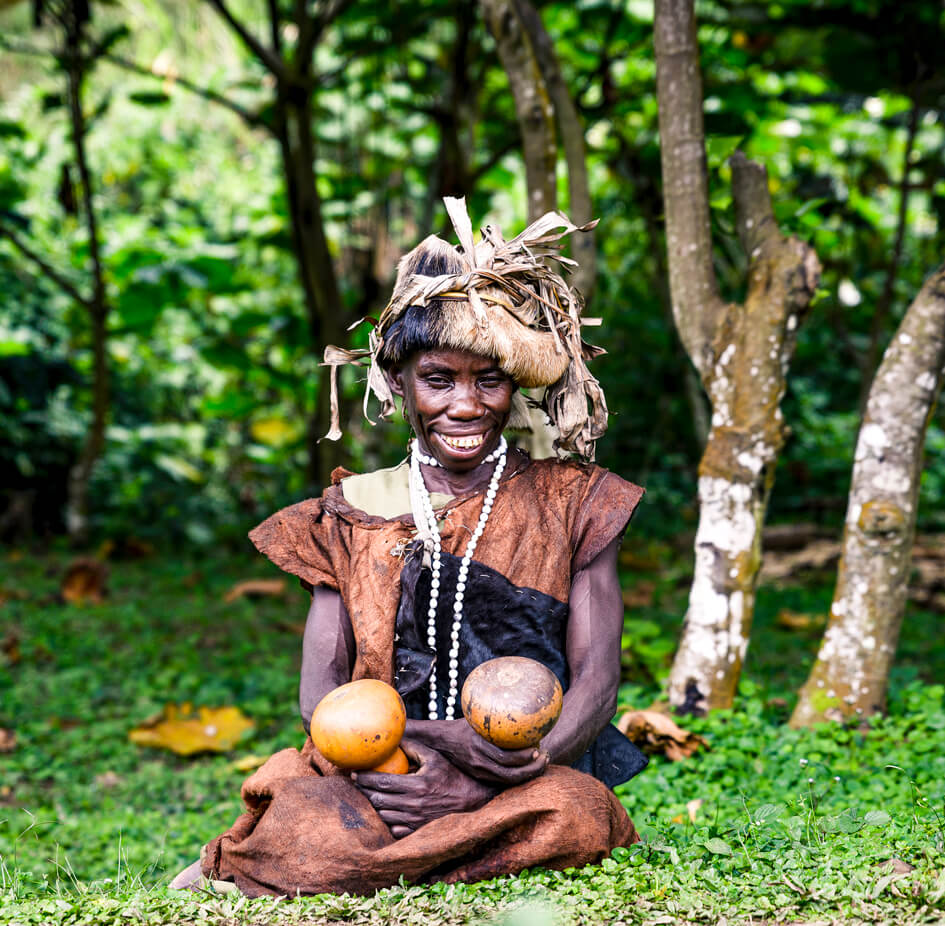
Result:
[506,302]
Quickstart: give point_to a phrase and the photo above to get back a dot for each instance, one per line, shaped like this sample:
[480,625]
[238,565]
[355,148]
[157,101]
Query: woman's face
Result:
[456,402]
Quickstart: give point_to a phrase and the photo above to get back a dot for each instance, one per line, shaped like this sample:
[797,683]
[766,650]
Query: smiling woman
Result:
[466,551]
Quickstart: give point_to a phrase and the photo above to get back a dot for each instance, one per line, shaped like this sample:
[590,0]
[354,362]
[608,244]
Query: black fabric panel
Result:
[499,619]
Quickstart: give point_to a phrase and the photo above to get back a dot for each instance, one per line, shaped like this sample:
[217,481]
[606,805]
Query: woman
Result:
[465,551]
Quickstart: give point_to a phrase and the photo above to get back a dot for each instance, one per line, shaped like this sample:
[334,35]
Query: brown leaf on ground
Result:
[256,588]
[186,732]
[108,780]
[655,732]
[640,596]
[84,581]
[10,645]
[896,866]
[7,740]
[126,548]
[794,620]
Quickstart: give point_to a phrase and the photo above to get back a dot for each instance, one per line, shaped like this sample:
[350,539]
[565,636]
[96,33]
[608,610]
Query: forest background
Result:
[190,294]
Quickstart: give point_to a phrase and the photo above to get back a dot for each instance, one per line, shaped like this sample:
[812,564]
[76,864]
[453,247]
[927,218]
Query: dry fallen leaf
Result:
[794,620]
[640,596]
[7,740]
[249,763]
[84,581]
[10,644]
[655,732]
[692,808]
[256,588]
[896,866]
[181,730]
[108,779]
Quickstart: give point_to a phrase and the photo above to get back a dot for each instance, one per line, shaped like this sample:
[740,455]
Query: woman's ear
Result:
[395,379]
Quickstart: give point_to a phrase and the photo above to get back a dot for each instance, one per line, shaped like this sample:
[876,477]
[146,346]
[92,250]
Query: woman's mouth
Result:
[465,443]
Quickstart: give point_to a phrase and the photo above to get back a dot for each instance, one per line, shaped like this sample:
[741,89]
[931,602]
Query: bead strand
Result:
[429,527]
[433,461]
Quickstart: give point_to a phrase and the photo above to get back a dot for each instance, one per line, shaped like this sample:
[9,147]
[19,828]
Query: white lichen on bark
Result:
[852,667]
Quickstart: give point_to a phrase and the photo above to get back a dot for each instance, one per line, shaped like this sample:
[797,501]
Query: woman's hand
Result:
[436,788]
[467,750]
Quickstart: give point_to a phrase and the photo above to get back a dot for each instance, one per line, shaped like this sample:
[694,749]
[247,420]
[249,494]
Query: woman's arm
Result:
[327,650]
[595,626]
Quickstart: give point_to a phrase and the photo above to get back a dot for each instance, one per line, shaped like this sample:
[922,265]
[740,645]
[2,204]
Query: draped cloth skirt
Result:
[308,833]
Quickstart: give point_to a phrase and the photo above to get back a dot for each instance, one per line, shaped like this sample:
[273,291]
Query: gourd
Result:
[512,701]
[359,726]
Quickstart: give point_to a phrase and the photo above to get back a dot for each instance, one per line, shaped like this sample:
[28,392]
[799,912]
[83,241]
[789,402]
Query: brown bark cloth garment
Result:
[307,829]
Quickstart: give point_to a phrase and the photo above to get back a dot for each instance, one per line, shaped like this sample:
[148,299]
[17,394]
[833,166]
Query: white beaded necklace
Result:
[429,533]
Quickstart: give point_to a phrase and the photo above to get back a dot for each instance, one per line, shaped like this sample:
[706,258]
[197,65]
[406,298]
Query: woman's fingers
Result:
[398,818]
[514,774]
[382,781]
[398,832]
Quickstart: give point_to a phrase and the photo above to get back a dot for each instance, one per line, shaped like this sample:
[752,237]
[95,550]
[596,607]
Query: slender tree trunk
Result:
[316,270]
[851,672]
[533,106]
[542,101]
[292,127]
[571,130]
[80,475]
[887,297]
[742,354]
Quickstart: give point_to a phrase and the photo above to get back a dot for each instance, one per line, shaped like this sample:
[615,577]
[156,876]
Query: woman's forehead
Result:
[450,359]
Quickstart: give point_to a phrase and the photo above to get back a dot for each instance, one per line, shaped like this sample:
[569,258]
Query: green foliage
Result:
[793,825]
[209,326]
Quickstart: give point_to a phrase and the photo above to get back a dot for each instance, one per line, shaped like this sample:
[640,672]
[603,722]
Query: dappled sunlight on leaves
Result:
[186,732]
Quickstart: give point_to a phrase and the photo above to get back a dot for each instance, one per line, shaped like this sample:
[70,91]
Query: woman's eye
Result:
[437,382]
[492,382]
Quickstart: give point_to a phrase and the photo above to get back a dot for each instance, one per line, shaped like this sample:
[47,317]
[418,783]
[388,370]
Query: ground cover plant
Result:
[768,823]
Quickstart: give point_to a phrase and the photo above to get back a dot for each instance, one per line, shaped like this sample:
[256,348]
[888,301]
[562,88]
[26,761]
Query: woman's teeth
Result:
[462,443]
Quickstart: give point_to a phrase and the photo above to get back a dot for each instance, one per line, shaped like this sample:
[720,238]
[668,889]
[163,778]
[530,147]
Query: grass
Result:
[822,825]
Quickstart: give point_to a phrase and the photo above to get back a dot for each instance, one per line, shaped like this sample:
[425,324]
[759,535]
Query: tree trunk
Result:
[742,354]
[292,127]
[542,100]
[851,672]
[80,475]
[316,270]
[533,106]
[571,129]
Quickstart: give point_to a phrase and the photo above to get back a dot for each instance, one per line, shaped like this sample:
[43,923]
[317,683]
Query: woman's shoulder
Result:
[588,479]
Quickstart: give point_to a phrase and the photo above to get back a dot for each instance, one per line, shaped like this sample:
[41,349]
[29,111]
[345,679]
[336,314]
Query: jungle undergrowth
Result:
[767,823]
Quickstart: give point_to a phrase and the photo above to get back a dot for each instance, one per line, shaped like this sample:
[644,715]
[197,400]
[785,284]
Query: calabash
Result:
[512,701]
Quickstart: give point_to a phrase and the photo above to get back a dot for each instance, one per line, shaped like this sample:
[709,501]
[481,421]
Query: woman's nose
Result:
[466,403]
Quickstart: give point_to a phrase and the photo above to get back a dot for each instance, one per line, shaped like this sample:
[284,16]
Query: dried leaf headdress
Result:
[507,303]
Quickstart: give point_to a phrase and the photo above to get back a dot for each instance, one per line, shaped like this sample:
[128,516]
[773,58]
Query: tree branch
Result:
[754,216]
[250,118]
[68,288]
[269,58]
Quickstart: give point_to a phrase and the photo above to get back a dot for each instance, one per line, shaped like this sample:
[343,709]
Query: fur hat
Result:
[496,298]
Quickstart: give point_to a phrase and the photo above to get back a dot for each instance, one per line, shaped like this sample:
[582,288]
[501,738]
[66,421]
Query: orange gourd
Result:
[359,725]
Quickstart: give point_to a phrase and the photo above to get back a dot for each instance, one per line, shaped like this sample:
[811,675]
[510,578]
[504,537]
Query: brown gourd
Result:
[512,701]
[359,726]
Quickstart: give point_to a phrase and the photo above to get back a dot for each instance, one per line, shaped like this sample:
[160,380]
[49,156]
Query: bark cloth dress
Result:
[307,829]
